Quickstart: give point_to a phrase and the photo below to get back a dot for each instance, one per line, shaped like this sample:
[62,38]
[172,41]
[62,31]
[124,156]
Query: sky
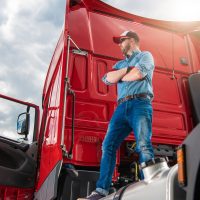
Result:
[29,30]
[181,10]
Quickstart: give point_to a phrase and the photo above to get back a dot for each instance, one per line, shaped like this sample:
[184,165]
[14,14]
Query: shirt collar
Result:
[135,52]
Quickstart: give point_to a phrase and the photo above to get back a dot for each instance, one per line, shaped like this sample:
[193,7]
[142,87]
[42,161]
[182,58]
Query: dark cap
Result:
[126,34]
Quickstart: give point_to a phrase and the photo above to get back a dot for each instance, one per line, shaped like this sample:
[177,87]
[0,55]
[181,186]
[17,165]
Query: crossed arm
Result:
[134,74]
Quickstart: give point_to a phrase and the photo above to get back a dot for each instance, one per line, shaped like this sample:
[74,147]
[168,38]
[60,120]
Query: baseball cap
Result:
[126,34]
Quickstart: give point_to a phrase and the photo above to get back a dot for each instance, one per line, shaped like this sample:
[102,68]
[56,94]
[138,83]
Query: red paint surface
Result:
[12,193]
[92,24]
[95,102]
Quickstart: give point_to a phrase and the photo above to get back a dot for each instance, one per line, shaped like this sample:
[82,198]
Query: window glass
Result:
[9,112]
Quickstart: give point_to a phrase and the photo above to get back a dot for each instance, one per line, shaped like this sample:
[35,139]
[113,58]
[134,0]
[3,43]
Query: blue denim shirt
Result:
[145,63]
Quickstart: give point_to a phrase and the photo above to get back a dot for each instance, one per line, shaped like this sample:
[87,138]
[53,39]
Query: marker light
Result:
[182,179]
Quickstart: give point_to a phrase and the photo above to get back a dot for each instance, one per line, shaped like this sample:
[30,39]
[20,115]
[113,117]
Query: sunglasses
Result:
[123,39]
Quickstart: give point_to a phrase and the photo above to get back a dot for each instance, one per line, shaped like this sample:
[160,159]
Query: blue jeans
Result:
[136,115]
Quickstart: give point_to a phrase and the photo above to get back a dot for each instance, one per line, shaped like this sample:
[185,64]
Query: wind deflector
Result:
[175,26]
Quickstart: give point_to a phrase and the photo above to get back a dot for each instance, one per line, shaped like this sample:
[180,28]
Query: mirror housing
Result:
[23,122]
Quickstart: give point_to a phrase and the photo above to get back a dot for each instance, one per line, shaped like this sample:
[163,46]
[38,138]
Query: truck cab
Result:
[59,157]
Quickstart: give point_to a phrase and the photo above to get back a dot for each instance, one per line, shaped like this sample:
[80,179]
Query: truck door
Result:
[19,123]
[51,142]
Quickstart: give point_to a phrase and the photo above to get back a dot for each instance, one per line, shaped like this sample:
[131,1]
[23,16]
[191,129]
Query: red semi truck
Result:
[59,158]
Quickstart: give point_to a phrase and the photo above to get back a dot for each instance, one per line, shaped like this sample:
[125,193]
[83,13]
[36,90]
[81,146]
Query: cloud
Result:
[29,31]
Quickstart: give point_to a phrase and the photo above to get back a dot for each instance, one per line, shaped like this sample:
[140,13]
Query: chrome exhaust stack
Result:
[153,167]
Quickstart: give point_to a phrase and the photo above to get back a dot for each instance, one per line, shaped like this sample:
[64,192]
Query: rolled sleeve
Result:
[115,67]
[145,64]
[104,79]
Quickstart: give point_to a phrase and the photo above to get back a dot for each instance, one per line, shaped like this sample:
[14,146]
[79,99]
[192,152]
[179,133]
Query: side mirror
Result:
[23,122]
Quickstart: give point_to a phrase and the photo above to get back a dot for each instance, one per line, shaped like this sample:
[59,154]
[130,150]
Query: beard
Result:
[126,49]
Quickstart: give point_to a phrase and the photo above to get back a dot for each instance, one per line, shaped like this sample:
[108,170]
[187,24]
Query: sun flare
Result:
[171,10]
[185,10]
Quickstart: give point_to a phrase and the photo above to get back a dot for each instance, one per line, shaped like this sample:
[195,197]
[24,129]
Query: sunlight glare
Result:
[185,10]
[171,10]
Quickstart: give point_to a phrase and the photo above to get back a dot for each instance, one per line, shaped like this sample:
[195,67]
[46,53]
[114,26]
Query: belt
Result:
[133,96]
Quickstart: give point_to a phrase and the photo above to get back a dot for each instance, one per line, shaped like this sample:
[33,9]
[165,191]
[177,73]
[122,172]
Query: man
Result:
[133,77]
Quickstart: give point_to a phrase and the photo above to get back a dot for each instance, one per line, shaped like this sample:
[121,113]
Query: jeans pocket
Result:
[145,100]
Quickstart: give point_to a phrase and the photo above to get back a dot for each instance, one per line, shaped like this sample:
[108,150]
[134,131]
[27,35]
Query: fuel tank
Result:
[160,183]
